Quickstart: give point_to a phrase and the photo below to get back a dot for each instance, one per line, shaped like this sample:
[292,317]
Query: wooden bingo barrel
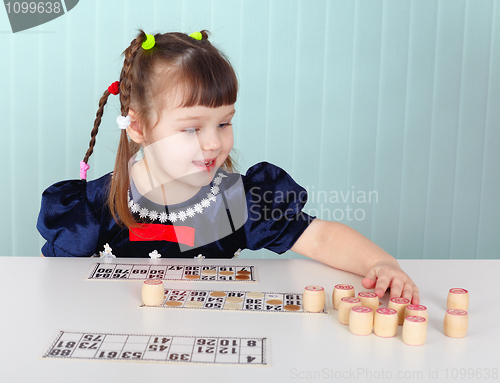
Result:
[339,292]
[417,310]
[456,323]
[345,306]
[414,330]
[399,304]
[458,299]
[369,299]
[313,299]
[361,320]
[386,323]
[153,292]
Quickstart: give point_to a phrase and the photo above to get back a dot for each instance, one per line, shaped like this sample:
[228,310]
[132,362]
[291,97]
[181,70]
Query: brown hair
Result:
[201,73]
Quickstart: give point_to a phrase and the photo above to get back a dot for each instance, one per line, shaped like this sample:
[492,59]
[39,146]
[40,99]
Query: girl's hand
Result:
[342,247]
[387,274]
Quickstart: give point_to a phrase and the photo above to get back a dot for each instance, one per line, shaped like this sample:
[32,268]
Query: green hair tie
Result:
[196,35]
[149,42]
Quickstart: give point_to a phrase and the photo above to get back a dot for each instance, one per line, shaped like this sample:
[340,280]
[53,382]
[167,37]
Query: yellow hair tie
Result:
[149,42]
[196,35]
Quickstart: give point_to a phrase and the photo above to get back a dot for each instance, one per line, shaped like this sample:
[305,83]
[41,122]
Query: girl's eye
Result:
[191,130]
[222,125]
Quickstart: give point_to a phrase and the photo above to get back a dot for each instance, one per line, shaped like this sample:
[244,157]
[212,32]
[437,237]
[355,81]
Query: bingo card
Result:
[216,273]
[158,348]
[234,300]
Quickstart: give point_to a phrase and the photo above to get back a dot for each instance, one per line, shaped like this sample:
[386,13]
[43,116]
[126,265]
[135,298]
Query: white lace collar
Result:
[181,215]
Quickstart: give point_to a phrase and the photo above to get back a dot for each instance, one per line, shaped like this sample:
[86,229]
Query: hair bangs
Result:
[207,80]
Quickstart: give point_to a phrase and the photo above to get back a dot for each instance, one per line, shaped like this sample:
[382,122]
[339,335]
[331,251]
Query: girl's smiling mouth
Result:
[207,164]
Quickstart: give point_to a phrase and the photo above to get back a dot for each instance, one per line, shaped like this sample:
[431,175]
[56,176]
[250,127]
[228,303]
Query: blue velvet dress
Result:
[261,209]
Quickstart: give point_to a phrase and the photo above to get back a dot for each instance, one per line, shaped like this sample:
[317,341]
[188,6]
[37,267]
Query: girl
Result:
[173,191]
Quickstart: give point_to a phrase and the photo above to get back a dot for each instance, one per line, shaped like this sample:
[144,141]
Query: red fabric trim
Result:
[157,232]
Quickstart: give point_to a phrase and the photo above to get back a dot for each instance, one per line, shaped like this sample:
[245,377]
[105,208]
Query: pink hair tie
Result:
[83,170]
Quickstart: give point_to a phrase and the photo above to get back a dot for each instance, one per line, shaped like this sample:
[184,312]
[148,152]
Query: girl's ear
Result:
[135,130]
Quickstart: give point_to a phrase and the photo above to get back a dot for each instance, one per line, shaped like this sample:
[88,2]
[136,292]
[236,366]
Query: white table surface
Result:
[41,296]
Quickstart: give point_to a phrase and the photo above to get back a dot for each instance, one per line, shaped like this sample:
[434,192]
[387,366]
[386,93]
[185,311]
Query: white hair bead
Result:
[123,122]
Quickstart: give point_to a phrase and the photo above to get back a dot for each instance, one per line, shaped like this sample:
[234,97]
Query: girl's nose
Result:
[210,141]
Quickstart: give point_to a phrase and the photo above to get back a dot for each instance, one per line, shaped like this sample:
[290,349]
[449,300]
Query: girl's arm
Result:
[339,246]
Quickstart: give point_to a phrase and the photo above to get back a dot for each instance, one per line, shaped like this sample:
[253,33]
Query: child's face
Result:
[189,144]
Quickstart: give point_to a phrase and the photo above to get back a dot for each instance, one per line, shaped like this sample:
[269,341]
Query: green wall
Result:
[394,103]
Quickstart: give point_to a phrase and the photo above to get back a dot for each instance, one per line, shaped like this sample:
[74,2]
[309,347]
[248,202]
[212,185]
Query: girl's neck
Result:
[171,192]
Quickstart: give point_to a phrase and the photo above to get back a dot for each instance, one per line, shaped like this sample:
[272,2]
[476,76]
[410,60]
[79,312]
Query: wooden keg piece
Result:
[456,323]
[399,304]
[345,306]
[458,299]
[369,299]
[339,292]
[414,330]
[386,323]
[153,292]
[313,299]
[417,310]
[360,320]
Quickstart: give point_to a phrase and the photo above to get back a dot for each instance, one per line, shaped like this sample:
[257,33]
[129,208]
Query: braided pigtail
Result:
[97,122]
[84,164]
[112,89]
[117,199]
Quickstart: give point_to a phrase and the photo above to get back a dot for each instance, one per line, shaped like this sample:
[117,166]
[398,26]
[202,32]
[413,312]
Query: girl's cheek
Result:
[182,154]
[229,139]
[178,143]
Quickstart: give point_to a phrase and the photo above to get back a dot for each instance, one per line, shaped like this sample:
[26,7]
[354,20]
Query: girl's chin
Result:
[192,175]
[198,177]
